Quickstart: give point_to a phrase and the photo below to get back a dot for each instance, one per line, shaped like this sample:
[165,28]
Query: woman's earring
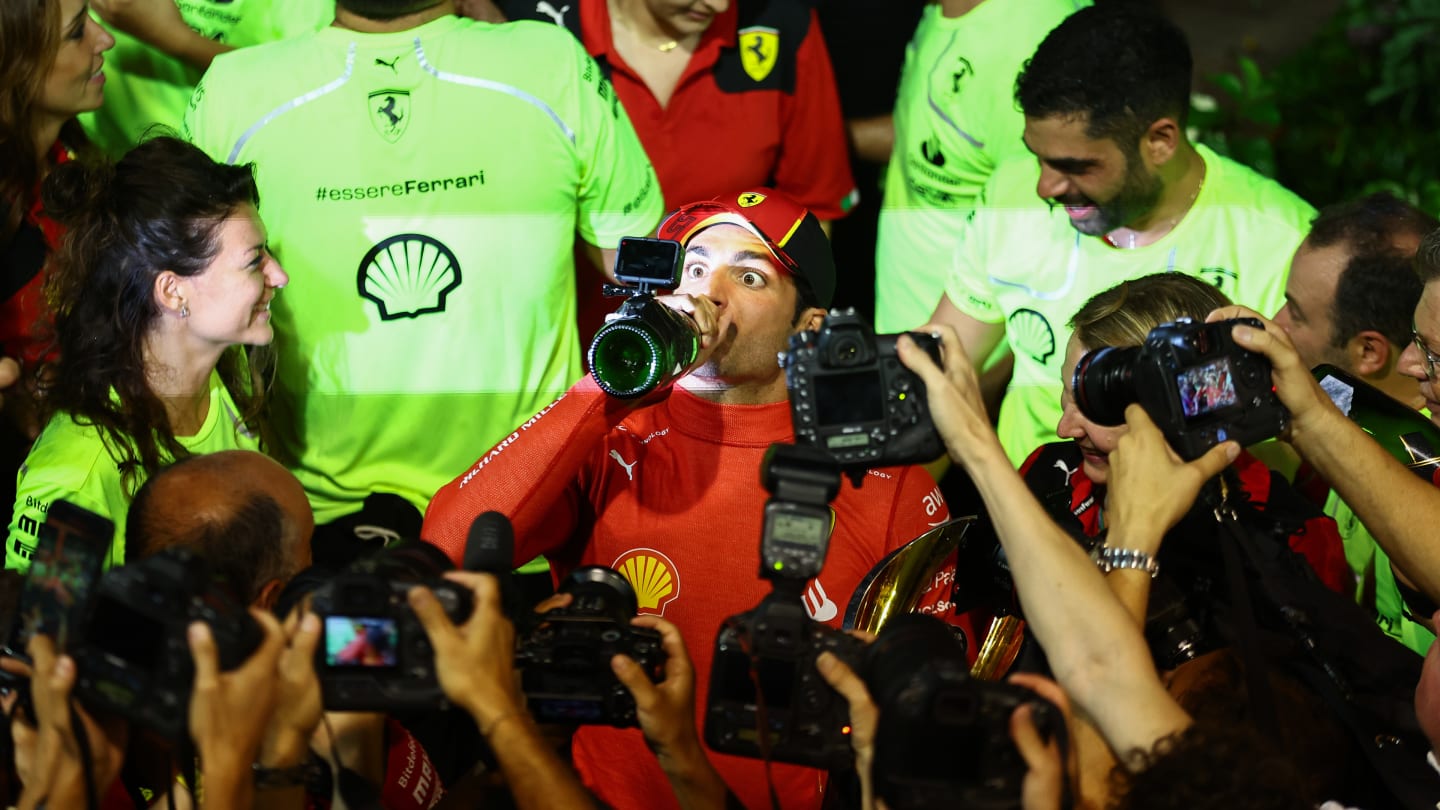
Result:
[184,310]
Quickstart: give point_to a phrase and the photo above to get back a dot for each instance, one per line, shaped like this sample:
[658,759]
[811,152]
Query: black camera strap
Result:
[1242,618]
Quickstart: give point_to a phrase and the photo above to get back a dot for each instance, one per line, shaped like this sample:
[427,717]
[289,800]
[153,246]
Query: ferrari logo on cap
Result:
[750,199]
[758,48]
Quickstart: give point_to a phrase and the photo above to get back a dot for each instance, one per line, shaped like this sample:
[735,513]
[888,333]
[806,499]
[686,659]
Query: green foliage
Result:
[1357,110]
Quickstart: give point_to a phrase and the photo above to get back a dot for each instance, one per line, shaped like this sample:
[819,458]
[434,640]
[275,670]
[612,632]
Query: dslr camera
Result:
[1199,386]
[645,344]
[767,699]
[132,657]
[564,658]
[851,396]
[943,738]
[374,654]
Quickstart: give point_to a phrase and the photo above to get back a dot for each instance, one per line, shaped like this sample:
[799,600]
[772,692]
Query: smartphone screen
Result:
[70,550]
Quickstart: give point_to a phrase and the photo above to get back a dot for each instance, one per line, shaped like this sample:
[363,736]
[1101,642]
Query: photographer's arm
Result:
[1094,647]
[667,718]
[53,772]
[979,340]
[1398,508]
[475,665]
[864,717]
[1146,495]
[286,742]
[229,712]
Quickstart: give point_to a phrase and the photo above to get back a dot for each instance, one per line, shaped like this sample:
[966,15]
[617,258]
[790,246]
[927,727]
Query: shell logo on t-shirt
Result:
[652,575]
[408,275]
[1030,332]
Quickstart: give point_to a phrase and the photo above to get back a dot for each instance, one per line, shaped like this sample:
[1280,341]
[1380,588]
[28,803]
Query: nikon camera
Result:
[1195,382]
[767,699]
[132,658]
[564,658]
[851,396]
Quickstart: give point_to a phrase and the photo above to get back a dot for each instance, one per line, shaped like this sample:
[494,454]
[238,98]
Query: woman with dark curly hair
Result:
[51,52]
[162,277]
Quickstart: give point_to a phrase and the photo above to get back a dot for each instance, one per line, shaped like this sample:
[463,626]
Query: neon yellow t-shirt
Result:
[1022,265]
[955,121]
[423,189]
[144,86]
[1376,589]
[71,461]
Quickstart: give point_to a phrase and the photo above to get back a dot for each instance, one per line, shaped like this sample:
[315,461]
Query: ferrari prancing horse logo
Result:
[758,48]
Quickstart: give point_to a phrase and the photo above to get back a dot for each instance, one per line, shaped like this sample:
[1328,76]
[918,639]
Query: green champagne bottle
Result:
[644,346]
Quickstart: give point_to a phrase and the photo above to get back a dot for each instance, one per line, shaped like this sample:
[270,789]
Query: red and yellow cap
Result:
[791,233]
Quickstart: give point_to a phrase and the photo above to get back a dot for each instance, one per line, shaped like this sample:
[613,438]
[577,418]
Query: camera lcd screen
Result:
[846,399]
[125,633]
[1206,388]
[362,641]
[807,531]
[737,683]
[69,554]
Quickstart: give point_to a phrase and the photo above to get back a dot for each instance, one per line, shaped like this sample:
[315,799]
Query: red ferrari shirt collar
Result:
[737,425]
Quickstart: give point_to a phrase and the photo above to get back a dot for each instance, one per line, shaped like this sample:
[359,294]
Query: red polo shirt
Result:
[709,141]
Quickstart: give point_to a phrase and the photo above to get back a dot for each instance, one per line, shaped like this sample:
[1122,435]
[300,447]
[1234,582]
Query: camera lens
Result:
[599,591]
[1104,384]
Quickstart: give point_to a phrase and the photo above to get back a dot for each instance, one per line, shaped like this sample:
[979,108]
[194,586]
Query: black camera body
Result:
[943,738]
[851,396]
[773,647]
[133,658]
[374,654]
[644,344]
[1198,385]
[564,658]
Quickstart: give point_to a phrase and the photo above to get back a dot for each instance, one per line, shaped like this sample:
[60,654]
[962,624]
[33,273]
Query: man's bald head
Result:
[242,511]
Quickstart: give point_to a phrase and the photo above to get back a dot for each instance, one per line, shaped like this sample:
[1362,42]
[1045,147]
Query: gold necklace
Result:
[624,21]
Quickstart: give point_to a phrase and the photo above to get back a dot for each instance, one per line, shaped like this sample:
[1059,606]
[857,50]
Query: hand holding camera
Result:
[1150,487]
[565,654]
[48,758]
[473,660]
[230,710]
[1295,386]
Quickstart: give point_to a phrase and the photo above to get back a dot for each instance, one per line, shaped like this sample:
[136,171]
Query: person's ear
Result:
[269,594]
[810,319]
[1161,141]
[1370,354]
[170,293]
